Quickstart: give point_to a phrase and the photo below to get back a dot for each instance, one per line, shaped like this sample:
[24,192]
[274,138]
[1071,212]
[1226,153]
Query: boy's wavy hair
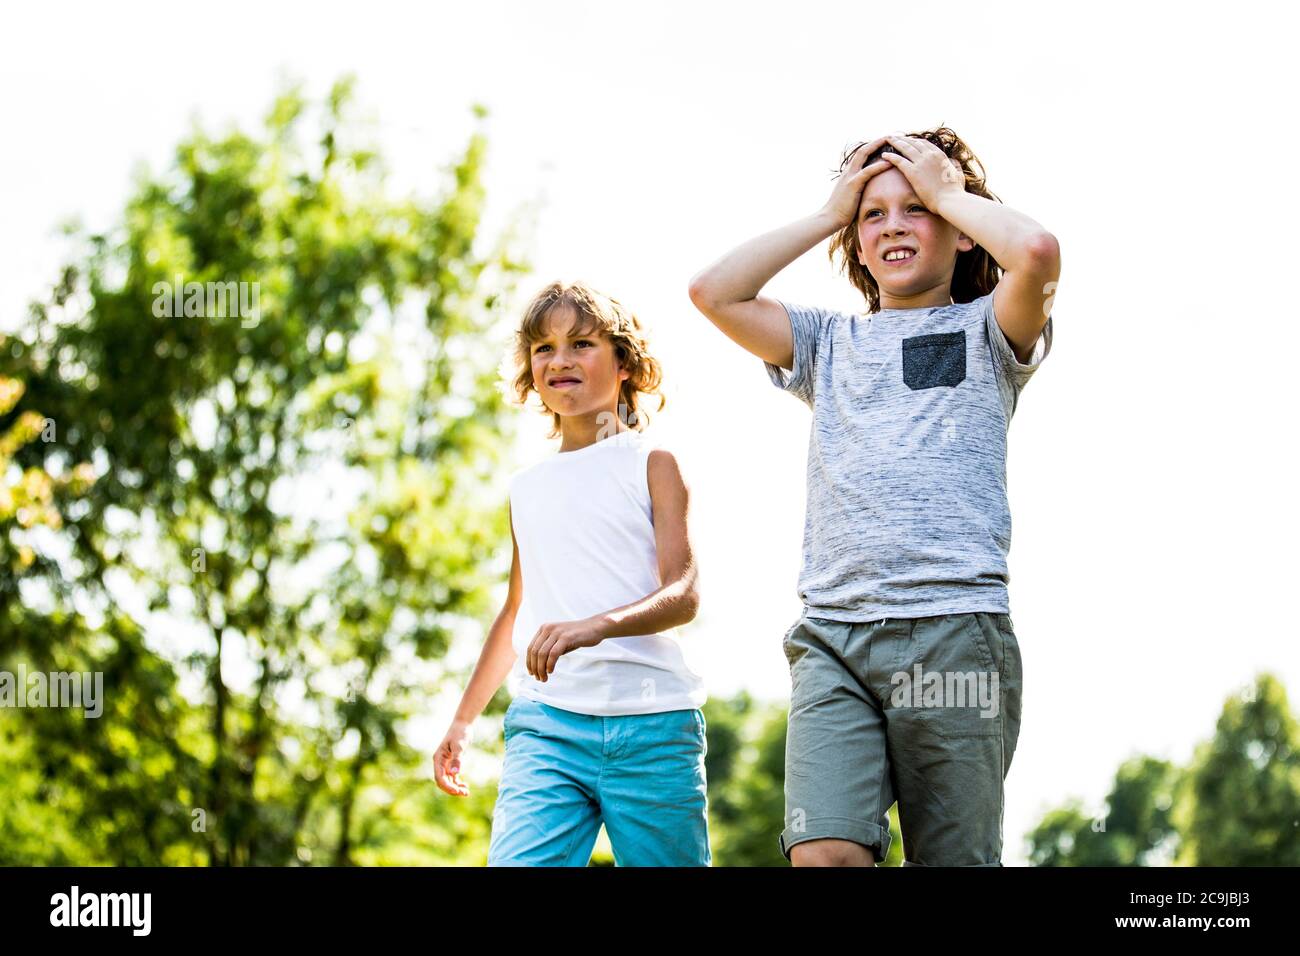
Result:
[976,272]
[596,313]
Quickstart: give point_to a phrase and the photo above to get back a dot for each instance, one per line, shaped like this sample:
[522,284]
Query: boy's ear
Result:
[965,243]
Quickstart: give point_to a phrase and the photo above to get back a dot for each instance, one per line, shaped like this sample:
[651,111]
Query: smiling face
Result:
[891,217]
[575,371]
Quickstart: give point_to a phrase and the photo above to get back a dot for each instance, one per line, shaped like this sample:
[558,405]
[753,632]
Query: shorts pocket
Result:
[932,361]
[969,698]
[785,641]
[1012,667]
[955,725]
[511,722]
[972,625]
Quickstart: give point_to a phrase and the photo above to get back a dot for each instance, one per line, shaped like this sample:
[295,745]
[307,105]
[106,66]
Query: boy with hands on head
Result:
[904,573]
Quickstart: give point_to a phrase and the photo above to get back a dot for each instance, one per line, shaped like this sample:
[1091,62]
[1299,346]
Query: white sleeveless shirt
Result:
[585,529]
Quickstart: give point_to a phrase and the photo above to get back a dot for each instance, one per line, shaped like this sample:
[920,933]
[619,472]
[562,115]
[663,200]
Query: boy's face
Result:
[891,216]
[573,373]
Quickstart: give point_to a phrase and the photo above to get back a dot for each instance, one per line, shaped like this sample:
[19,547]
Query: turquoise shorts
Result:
[642,775]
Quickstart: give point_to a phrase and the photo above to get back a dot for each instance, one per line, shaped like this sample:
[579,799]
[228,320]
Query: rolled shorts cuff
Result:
[963,865]
[870,835]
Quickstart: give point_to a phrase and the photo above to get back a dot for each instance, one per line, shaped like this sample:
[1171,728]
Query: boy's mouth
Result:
[899,254]
[563,382]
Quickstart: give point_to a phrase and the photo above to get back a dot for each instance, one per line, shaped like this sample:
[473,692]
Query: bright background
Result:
[1154,538]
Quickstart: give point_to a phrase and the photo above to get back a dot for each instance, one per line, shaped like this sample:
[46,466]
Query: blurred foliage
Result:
[276,512]
[1236,804]
[27,494]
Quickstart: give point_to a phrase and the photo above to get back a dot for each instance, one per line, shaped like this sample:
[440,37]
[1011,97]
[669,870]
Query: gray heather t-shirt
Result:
[907,492]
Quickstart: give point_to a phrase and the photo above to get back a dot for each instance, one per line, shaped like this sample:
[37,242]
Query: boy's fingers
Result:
[446,777]
[868,171]
[859,156]
[876,144]
[866,149]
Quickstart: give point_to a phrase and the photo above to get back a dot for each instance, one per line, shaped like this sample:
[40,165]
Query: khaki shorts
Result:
[925,711]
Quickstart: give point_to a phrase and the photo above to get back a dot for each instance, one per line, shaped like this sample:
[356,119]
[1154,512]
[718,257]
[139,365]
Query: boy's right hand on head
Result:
[845,198]
[446,761]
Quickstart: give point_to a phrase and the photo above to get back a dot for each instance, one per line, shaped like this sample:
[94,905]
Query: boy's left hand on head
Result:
[926,167]
[554,640]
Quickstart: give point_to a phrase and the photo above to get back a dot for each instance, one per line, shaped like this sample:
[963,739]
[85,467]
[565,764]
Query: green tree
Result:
[295,505]
[1243,806]
[1237,804]
[1134,829]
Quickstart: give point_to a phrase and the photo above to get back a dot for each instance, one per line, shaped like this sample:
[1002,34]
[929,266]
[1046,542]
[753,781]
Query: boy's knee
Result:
[831,852]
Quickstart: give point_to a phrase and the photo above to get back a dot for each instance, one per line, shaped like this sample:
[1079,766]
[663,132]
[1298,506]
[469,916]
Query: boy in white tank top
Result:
[605,725]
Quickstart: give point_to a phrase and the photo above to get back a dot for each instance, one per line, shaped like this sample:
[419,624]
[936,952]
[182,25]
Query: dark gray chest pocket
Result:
[933,360]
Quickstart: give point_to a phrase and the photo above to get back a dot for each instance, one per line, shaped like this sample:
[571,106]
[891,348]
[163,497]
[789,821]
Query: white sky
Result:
[1153,537]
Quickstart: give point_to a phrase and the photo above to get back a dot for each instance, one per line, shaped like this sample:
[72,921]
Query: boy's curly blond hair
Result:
[596,313]
[976,272]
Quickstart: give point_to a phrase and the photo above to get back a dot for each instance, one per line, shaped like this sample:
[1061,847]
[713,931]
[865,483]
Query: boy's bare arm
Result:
[677,600]
[494,663]
[727,291]
[498,654]
[1030,258]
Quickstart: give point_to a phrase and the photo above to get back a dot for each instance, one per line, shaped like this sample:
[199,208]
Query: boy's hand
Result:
[446,760]
[842,206]
[927,168]
[553,640]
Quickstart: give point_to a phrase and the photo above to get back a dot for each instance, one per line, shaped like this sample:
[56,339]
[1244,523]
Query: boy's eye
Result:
[909,209]
[579,342]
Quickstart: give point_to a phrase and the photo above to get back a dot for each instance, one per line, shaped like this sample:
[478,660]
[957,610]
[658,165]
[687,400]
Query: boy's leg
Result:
[952,739]
[652,791]
[837,775]
[546,813]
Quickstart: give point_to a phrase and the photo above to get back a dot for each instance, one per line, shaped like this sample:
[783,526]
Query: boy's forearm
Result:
[494,663]
[741,274]
[670,606]
[1010,237]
